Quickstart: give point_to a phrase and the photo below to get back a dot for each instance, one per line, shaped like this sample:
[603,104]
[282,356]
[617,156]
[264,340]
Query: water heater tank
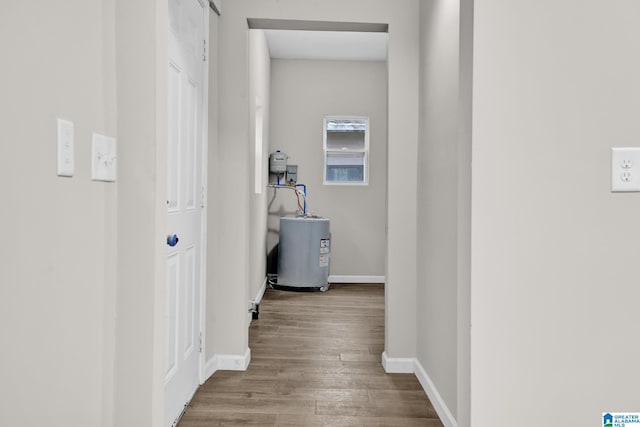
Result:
[304,253]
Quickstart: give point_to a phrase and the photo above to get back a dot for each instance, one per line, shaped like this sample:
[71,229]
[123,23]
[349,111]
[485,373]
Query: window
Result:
[346,150]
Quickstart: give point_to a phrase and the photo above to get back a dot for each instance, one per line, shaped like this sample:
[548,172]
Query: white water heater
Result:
[304,253]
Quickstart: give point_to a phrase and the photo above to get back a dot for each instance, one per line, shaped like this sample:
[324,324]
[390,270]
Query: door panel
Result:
[174,137]
[190,142]
[188,296]
[171,315]
[184,212]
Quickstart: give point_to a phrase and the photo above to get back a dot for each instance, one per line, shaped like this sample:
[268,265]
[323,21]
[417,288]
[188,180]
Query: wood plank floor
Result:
[315,361]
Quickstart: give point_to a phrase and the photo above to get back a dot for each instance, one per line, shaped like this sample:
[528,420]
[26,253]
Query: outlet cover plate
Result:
[625,169]
[103,158]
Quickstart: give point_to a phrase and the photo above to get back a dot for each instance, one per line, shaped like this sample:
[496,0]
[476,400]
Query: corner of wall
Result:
[402,186]
[398,365]
[439,404]
[411,365]
[226,362]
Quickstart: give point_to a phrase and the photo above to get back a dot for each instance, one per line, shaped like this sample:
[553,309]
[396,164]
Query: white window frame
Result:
[365,151]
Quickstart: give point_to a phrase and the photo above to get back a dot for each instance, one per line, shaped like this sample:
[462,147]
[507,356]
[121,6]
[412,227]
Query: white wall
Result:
[303,93]
[555,254]
[57,293]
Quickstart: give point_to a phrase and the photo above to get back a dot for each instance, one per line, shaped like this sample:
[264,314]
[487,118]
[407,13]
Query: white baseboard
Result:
[398,365]
[410,365]
[356,279]
[257,300]
[227,362]
[210,368]
[261,292]
[234,362]
[436,399]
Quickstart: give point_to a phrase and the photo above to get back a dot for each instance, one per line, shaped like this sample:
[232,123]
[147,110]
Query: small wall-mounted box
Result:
[278,162]
[292,174]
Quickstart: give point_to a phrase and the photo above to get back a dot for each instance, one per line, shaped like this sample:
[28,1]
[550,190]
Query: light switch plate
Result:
[625,169]
[103,158]
[65,148]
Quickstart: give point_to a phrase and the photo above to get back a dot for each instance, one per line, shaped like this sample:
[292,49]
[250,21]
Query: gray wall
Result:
[259,90]
[438,197]
[303,93]
[56,302]
[555,254]
[465,92]
[214,304]
[81,297]
[53,253]
[444,202]
[229,190]
[142,94]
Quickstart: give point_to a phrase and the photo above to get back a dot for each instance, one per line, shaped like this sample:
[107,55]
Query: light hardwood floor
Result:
[315,361]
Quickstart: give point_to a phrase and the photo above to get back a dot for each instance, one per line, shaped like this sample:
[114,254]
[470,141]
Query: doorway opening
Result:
[302,72]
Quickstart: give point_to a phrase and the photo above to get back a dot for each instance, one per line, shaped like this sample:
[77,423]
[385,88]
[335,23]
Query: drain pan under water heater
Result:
[303,254]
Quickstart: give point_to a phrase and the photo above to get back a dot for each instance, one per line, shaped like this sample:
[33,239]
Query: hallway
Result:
[315,362]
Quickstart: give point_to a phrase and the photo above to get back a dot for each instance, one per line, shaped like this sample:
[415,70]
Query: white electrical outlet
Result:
[625,169]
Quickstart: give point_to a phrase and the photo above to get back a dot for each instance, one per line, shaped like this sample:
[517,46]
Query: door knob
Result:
[172,240]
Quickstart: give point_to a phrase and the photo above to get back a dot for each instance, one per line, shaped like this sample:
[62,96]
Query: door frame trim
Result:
[203,196]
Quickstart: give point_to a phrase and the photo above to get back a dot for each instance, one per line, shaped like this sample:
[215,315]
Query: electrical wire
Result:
[304,189]
[299,204]
[298,194]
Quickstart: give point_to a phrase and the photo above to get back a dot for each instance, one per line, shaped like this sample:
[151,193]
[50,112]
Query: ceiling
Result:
[327,45]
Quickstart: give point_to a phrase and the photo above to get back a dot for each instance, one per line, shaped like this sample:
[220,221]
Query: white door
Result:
[184,203]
